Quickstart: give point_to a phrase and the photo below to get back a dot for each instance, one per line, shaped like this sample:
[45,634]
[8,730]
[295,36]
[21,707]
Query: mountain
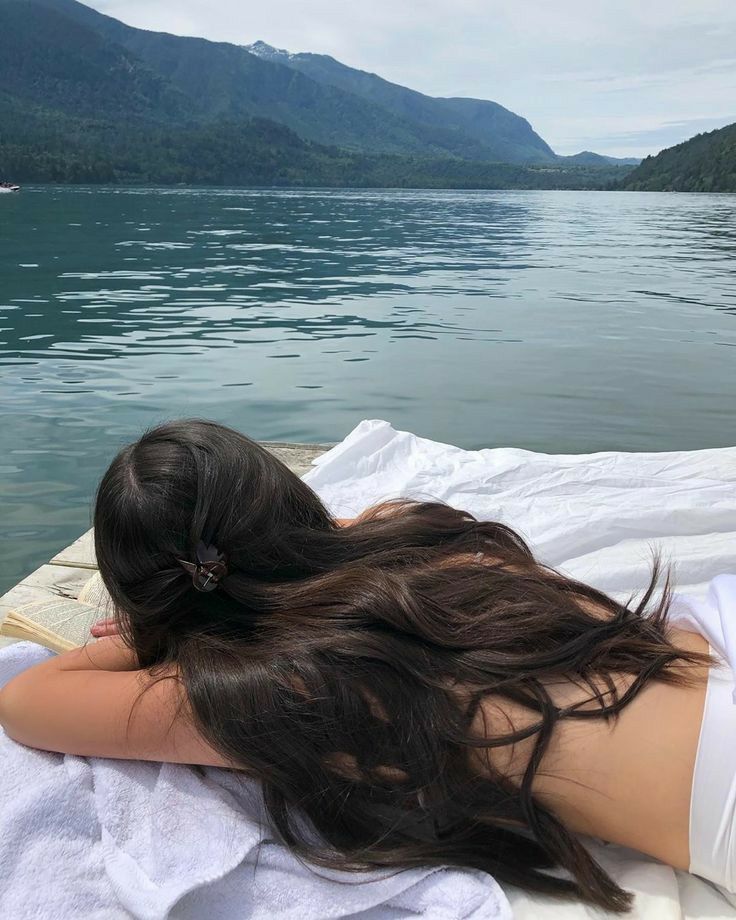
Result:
[85,98]
[588,158]
[507,137]
[511,137]
[227,81]
[705,163]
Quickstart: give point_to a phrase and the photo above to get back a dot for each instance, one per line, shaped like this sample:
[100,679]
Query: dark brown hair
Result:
[327,663]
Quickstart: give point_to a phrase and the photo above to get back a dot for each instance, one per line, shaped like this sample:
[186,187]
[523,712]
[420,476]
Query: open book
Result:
[60,624]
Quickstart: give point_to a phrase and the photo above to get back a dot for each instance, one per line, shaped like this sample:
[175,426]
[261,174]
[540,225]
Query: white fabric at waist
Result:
[712,833]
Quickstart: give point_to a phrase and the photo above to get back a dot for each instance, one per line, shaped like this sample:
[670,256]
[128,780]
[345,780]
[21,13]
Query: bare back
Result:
[628,782]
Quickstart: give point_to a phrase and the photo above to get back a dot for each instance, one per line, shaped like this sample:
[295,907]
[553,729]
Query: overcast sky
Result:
[622,77]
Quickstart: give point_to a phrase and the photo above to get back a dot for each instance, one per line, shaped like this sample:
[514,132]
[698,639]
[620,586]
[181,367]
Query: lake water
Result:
[555,321]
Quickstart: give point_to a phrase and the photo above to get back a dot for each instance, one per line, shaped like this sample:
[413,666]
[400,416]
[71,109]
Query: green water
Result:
[556,321]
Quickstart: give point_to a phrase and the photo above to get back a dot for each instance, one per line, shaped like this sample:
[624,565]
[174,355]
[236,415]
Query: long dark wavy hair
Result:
[327,663]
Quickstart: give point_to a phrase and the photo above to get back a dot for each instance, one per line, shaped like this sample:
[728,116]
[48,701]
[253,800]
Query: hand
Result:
[104,628]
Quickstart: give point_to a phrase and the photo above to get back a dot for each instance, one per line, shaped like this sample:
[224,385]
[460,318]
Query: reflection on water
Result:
[558,321]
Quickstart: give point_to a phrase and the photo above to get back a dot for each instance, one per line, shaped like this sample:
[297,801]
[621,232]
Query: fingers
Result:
[104,628]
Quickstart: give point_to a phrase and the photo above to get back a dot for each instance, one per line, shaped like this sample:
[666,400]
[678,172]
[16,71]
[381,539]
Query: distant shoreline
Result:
[158,186]
[37,184]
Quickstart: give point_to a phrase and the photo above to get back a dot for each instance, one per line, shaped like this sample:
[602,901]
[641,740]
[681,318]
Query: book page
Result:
[66,618]
[95,594]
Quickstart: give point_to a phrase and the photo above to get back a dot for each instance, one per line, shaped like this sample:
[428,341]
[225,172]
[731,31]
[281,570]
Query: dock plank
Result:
[81,553]
[298,457]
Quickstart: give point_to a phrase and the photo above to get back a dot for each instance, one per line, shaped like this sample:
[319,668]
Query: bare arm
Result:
[95,702]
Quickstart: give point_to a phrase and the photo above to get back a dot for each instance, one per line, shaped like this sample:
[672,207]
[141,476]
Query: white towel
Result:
[93,839]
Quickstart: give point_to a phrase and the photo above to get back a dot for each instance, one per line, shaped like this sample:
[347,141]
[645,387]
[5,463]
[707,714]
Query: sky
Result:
[619,77]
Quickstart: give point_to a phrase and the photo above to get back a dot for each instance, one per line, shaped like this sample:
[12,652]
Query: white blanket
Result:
[597,517]
[103,839]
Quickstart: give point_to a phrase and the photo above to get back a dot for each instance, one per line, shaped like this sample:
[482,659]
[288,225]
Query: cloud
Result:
[665,135]
[616,76]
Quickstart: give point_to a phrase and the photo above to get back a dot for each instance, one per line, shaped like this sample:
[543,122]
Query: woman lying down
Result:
[413,681]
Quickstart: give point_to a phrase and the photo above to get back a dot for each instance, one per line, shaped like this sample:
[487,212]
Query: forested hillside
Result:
[705,163]
[254,153]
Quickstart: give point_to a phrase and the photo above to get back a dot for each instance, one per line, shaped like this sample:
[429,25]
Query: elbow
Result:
[8,711]
[13,711]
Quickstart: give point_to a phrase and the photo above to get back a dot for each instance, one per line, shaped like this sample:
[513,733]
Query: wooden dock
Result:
[70,569]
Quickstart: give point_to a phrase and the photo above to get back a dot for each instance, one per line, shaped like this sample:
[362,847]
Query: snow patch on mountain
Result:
[268,52]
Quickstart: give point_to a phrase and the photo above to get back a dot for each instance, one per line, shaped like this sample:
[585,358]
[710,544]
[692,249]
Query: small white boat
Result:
[7,187]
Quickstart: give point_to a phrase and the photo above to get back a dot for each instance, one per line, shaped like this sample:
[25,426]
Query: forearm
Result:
[49,705]
[107,654]
[94,702]
[33,693]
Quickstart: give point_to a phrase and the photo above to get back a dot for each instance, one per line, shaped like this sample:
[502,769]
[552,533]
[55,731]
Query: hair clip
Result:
[209,569]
